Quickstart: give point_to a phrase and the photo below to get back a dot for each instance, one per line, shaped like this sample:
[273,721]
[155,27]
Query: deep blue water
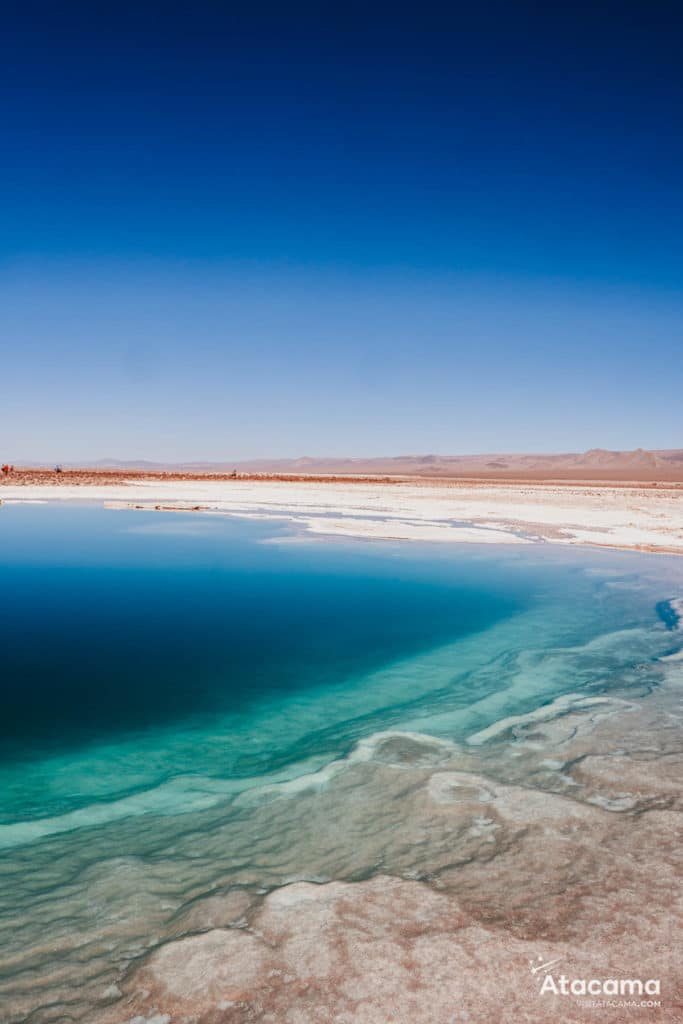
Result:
[118,621]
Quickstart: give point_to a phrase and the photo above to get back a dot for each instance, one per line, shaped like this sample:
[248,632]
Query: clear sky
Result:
[339,229]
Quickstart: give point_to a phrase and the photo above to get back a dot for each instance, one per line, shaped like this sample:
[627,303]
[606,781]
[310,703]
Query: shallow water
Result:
[200,710]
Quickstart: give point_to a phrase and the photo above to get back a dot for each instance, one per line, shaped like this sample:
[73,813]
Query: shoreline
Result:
[634,517]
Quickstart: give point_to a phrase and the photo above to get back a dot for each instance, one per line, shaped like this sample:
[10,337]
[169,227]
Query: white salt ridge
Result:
[676,603]
[181,795]
[560,706]
[393,528]
[676,656]
[428,750]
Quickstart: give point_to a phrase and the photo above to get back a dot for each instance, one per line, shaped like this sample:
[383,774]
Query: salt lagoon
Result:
[249,779]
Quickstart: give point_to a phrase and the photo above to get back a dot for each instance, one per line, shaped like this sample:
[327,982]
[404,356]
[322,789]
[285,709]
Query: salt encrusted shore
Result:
[554,839]
[638,517]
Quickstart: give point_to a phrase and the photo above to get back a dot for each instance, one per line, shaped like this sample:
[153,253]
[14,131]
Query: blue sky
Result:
[306,231]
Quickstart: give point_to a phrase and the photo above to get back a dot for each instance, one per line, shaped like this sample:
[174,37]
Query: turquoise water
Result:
[159,672]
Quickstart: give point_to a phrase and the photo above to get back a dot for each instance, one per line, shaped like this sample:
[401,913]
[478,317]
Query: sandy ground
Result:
[636,516]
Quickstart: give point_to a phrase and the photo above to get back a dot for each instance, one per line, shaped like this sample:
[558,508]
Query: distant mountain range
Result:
[596,464]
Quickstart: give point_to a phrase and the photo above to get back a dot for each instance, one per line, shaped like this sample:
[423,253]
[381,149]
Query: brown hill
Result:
[641,465]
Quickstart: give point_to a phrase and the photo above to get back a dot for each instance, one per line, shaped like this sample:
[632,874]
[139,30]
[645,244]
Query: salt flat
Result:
[637,517]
